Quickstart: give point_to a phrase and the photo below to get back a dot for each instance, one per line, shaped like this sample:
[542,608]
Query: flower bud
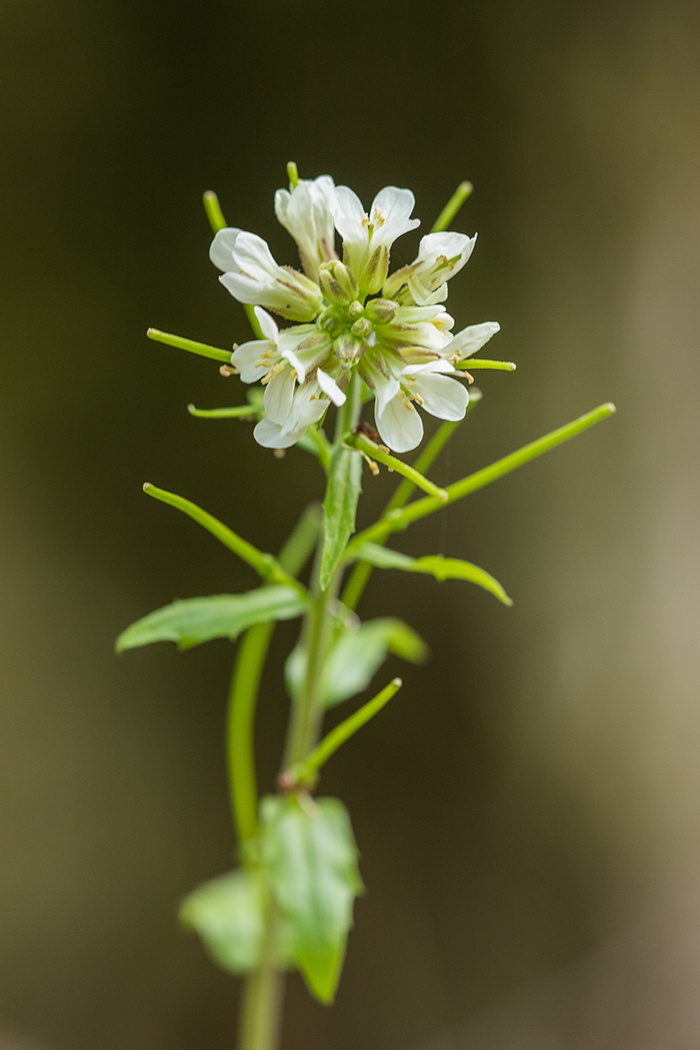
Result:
[381,311]
[362,328]
[337,283]
[348,349]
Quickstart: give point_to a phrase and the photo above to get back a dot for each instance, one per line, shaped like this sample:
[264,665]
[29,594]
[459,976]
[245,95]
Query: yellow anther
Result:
[365,220]
[272,373]
[418,399]
[378,219]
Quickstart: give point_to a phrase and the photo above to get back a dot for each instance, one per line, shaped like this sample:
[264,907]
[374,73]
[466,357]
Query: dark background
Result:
[527,810]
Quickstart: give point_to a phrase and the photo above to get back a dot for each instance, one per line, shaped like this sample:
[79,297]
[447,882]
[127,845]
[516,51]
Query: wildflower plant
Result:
[341,335]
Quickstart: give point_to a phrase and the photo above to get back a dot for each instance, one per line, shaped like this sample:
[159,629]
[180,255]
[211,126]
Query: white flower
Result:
[367,237]
[293,414]
[307,213]
[400,343]
[440,256]
[469,340]
[251,275]
[398,422]
[414,330]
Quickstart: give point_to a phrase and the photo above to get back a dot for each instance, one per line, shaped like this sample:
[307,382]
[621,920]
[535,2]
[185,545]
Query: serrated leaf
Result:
[339,508]
[356,657]
[195,620]
[228,913]
[310,858]
[433,564]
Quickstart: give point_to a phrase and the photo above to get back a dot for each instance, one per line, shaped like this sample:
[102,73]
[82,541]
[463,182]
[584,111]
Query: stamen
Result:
[226,371]
[365,220]
[378,219]
[272,373]
[374,467]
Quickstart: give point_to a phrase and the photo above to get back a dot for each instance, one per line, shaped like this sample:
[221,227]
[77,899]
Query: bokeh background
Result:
[528,811]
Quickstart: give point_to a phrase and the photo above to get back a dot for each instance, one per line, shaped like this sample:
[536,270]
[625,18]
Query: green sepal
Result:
[339,507]
[433,564]
[195,620]
[357,656]
[229,915]
[310,859]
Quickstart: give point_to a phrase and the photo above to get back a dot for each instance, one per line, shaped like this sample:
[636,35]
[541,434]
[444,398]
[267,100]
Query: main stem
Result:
[262,996]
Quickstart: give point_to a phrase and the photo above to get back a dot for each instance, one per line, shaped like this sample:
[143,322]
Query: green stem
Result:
[266,565]
[375,452]
[192,347]
[452,207]
[245,684]
[237,412]
[400,519]
[261,1008]
[262,993]
[305,722]
[361,572]
[305,772]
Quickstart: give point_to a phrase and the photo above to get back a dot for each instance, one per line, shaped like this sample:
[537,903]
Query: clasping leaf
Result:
[310,858]
[357,656]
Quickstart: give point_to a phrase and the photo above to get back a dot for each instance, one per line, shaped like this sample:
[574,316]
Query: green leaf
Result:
[228,913]
[310,858]
[339,507]
[195,620]
[359,653]
[356,657]
[433,564]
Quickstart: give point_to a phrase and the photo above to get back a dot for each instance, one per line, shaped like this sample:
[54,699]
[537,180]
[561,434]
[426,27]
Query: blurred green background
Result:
[528,808]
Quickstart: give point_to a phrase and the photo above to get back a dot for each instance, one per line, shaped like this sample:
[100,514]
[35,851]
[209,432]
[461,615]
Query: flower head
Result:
[399,342]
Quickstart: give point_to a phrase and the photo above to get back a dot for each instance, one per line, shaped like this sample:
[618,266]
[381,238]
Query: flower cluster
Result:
[349,315]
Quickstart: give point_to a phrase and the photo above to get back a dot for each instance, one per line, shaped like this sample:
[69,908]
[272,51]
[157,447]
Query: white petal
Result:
[348,213]
[439,365]
[400,427]
[246,357]
[384,387]
[221,251]
[254,257]
[267,324]
[471,339]
[442,397]
[396,206]
[330,387]
[279,393]
[307,408]
[243,288]
[269,435]
[448,244]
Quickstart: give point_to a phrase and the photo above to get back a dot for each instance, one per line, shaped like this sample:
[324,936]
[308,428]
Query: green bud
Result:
[330,320]
[347,349]
[362,328]
[355,310]
[337,283]
[381,311]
